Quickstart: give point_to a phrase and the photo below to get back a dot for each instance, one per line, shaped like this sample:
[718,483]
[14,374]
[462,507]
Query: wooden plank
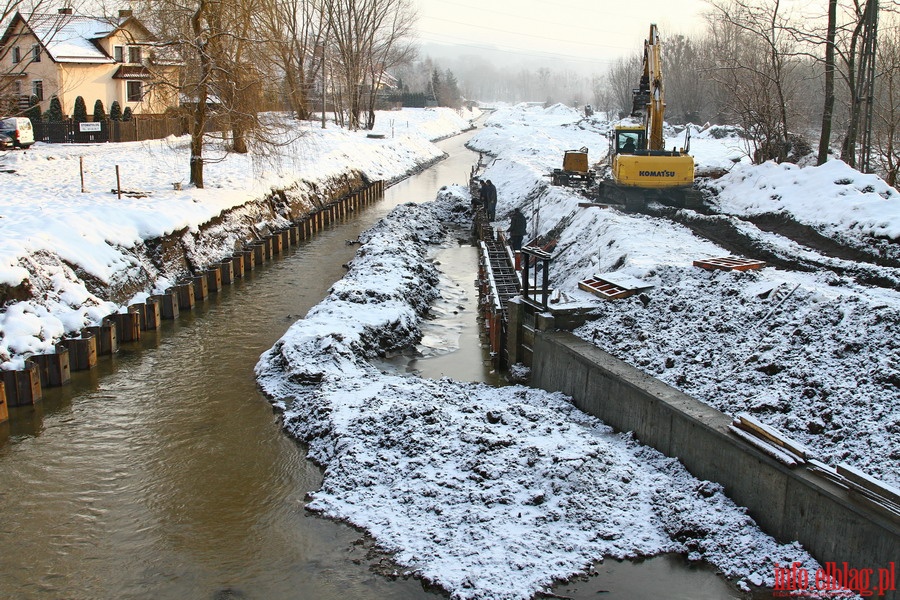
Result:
[770,434]
[773,451]
[729,263]
[863,480]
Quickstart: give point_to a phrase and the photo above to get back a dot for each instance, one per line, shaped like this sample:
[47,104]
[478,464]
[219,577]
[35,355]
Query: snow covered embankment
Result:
[486,492]
[68,258]
[813,354]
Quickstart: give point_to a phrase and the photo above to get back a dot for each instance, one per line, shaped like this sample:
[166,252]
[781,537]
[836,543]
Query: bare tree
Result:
[828,108]
[757,63]
[859,57]
[688,91]
[623,76]
[296,30]
[886,129]
[392,46]
[358,32]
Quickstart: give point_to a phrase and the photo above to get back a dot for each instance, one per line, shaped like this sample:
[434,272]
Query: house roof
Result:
[69,37]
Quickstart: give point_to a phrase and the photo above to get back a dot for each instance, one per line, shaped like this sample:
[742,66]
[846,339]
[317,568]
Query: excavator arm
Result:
[648,101]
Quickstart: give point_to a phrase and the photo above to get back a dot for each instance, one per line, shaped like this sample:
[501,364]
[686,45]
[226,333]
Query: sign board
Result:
[83,127]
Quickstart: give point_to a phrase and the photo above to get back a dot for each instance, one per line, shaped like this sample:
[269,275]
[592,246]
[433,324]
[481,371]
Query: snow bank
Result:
[487,492]
[67,246]
[834,198]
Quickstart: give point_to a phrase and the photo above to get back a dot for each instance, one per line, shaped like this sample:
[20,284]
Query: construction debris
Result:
[613,286]
[729,263]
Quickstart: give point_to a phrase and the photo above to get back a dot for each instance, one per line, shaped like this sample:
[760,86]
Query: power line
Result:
[528,35]
[518,51]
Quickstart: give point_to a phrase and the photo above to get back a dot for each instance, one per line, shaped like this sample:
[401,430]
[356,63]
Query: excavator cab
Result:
[628,140]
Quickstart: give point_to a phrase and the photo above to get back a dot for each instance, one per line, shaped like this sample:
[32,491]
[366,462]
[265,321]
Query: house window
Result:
[134,54]
[36,53]
[119,53]
[16,54]
[134,91]
[37,89]
[17,88]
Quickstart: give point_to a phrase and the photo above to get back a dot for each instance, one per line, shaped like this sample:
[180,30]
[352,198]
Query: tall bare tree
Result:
[296,30]
[886,128]
[757,60]
[828,108]
[623,76]
[392,46]
[358,31]
[859,57]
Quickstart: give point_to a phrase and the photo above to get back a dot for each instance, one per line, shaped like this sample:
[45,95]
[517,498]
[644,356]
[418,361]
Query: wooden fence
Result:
[139,128]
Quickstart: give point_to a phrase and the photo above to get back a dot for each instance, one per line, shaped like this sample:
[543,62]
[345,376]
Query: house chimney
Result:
[124,13]
[66,11]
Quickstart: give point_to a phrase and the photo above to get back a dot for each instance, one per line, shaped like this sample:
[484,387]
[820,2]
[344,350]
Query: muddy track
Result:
[809,237]
[731,233]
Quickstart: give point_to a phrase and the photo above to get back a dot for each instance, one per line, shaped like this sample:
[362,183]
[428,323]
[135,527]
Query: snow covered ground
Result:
[69,245]
[487,492]
[811,351]
[494,493]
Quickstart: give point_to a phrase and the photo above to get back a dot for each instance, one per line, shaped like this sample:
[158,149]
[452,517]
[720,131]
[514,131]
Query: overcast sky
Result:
[589,30]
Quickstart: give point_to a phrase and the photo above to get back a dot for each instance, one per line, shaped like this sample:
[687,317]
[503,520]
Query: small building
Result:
[98,58]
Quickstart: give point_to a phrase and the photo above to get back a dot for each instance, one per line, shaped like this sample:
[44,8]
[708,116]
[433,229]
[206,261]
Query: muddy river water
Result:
[164,474]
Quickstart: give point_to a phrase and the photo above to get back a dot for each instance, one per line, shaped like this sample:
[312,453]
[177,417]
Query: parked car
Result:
[16,132]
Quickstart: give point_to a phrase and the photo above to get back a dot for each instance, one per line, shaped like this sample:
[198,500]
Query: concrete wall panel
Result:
[789,504]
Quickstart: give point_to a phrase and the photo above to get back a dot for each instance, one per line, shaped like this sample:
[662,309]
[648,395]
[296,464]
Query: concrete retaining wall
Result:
[789,504]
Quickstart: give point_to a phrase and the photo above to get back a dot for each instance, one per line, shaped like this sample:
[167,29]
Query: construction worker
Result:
[517,228]
[478,201]
[490,201]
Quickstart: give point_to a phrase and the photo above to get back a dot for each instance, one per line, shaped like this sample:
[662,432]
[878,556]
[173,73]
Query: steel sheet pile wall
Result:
[24,387]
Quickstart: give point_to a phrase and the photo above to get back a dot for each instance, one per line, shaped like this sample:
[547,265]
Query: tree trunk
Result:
[828,109]
[200,109]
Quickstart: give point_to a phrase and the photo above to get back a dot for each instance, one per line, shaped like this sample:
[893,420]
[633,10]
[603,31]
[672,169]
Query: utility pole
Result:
[870,43]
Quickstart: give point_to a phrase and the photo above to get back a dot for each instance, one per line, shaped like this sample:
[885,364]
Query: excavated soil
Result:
[875,264]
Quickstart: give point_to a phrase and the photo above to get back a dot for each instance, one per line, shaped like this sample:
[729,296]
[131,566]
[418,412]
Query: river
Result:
[163,473]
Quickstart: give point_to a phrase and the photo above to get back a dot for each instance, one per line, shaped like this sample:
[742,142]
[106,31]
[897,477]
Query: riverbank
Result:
[69,257]
[486,492]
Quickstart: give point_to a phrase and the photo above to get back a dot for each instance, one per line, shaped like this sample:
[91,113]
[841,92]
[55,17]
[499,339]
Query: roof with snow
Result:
[71,37]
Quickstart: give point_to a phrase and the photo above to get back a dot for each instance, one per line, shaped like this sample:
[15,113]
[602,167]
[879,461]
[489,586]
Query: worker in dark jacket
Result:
[478,201]
[517,227]
[490,201]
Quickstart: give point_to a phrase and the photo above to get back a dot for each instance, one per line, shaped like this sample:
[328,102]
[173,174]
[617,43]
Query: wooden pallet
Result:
[611,290]
[730,263]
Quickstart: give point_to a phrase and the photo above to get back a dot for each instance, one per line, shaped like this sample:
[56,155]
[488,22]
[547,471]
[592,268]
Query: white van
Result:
[16,132]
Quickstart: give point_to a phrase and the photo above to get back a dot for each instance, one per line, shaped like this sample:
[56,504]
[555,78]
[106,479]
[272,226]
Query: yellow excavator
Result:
[641,168]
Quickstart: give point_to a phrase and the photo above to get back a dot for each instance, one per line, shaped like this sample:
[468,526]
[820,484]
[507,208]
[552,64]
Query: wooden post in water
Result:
[4,407]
